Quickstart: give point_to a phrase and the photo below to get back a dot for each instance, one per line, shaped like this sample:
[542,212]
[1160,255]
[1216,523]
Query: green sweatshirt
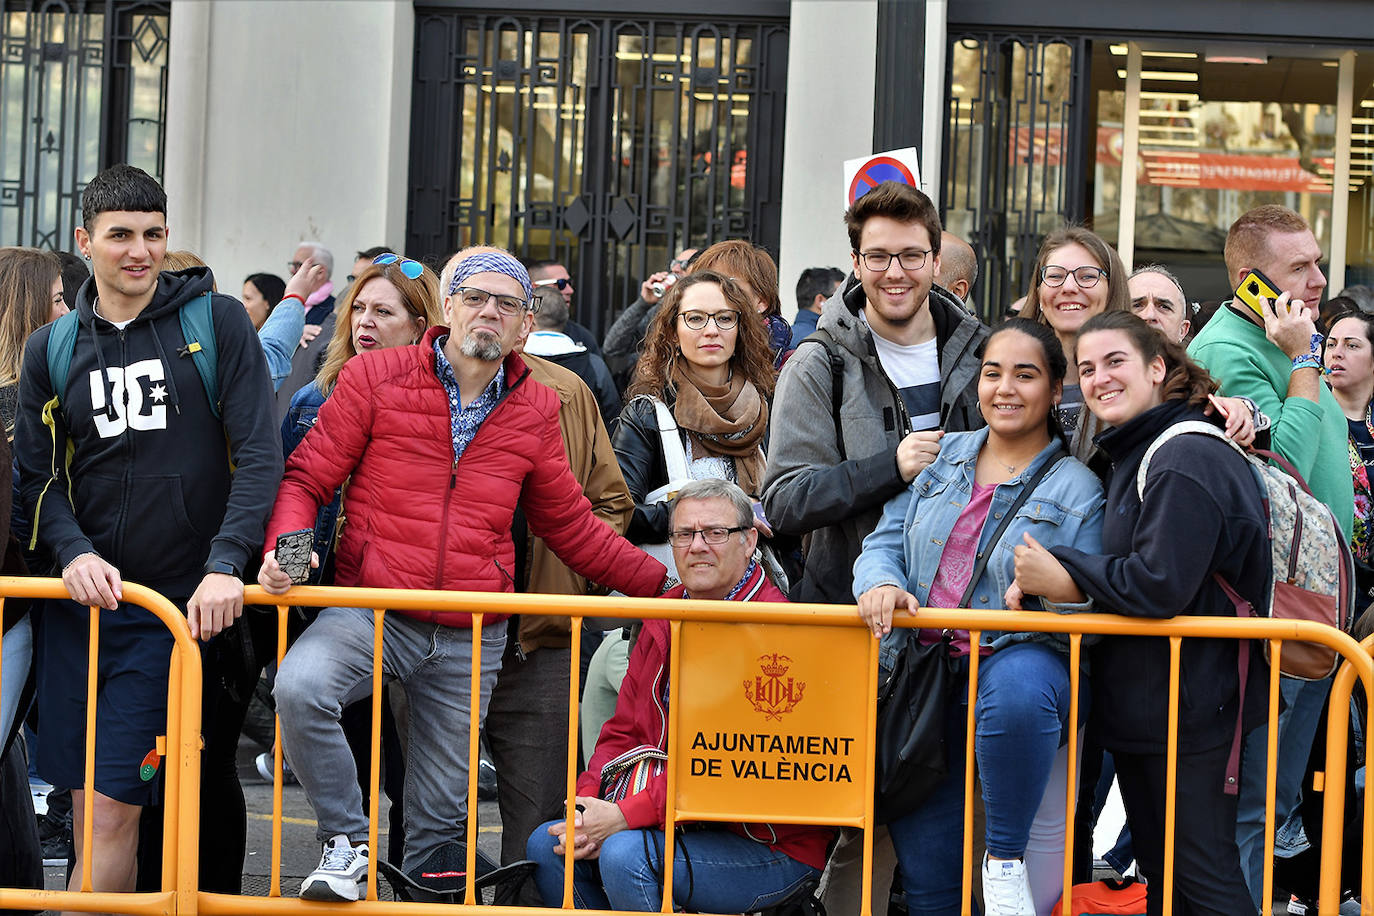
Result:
[1313,437]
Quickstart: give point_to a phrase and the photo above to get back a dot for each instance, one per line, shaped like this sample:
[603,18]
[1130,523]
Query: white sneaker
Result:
[1006,889]
[341,873]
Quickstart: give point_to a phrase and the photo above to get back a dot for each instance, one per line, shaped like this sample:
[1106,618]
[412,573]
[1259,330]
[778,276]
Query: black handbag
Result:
[912,753]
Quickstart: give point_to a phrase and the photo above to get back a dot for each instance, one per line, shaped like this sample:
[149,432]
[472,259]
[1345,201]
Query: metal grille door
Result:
[605,144]
[1015,152]
[83,85]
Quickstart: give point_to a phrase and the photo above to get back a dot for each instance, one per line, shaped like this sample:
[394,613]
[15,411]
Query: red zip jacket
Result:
[416,518]
[641,719]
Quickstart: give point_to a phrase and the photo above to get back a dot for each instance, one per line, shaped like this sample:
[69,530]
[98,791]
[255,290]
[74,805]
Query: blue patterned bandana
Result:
[491,262]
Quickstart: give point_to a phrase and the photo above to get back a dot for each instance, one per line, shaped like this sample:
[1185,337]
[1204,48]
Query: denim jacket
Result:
[299,420]
[905,549]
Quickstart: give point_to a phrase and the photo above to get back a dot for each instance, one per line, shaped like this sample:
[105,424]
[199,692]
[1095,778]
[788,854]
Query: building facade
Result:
[610,134]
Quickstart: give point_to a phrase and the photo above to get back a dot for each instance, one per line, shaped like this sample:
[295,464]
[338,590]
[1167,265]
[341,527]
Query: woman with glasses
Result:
[1077,276]
[985,492]
[703,381]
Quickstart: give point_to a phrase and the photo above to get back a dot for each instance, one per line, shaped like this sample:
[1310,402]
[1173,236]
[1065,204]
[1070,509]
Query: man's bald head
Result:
[958,265]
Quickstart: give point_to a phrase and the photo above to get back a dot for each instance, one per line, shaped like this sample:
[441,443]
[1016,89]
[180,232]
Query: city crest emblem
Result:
[772,692]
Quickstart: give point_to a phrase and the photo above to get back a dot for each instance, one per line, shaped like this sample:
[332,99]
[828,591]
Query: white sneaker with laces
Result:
[1006,888]
[341,873]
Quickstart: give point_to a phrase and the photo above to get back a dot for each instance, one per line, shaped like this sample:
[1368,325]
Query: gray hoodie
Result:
[808,489]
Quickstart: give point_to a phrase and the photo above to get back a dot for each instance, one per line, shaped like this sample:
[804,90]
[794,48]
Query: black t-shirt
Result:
[1359,431]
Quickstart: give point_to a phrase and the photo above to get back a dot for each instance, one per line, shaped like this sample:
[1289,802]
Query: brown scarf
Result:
[728,420]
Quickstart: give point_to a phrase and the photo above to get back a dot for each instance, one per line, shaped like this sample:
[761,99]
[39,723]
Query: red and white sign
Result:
[865,174]
[1225,171]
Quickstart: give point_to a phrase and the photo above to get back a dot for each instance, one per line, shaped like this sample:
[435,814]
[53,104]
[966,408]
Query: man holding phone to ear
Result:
[1273,356]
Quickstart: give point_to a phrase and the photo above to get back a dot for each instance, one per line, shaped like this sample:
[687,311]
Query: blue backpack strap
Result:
[61,345]
[198,327]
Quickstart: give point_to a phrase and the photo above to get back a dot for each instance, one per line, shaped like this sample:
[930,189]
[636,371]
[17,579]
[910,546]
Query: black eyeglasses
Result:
[715,536]
[1086,276]
[475,298]
[724,319]
[561,283]
[877,261]
[411,269]
[294,266]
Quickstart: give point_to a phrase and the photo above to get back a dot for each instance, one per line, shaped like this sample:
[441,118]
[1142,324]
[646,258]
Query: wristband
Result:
[1315,346]
[1307,361]
[297,296]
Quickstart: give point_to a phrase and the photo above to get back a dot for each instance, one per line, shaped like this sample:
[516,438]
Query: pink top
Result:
[956,563]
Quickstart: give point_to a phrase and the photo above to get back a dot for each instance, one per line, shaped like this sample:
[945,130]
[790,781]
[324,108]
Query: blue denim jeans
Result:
[14,671]
[330,666]
[714,871]
[1303,701]
[1022,721]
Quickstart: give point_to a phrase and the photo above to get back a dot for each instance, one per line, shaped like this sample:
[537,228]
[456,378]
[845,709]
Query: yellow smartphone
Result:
[1256,290]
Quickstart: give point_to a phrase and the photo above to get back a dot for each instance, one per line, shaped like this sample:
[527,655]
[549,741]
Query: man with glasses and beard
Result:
[440,442]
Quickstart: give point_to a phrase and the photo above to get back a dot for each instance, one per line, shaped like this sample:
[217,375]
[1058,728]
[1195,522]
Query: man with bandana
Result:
[440,443]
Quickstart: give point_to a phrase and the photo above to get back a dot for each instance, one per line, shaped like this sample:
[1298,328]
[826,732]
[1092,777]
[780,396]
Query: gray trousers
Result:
[330,666]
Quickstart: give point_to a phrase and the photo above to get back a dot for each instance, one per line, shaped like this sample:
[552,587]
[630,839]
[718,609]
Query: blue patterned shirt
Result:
[465,420]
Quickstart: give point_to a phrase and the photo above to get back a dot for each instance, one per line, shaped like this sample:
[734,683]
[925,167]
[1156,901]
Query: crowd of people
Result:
[453,427]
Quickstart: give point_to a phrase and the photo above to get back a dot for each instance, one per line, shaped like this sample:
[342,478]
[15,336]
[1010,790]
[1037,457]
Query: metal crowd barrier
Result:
[179,748]
[709,625]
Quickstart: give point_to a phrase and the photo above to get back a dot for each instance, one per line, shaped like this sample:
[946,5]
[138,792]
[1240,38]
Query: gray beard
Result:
[487,349]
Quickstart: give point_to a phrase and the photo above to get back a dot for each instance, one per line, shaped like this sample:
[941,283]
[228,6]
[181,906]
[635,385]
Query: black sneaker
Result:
[486,779]
[57,851]
[55,837]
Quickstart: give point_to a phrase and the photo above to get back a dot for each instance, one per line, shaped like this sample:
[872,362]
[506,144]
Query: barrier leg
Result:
[1171,775]
[570,809]
[474,734]
[1075,659]
[1271,766]
[975,639]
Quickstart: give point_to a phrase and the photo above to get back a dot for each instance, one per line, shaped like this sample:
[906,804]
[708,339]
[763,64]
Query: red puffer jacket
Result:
[418,519]
[641,719]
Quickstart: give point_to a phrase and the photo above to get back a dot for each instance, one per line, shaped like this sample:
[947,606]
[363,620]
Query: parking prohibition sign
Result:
[874,172]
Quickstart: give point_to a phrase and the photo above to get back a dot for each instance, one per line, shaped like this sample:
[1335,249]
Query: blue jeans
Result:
[1022,720]
[714,871]
[330,666]
[14,671]
[1303,701]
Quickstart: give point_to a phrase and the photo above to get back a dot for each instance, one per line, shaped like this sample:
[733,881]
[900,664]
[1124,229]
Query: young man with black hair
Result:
[814,286]
[149,492]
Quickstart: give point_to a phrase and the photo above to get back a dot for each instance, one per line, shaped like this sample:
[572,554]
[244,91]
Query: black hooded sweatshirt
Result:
[151,490]
[1202,514]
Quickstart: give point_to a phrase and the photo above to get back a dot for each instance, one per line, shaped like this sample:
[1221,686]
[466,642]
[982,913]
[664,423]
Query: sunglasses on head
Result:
[561,282]
[411,269]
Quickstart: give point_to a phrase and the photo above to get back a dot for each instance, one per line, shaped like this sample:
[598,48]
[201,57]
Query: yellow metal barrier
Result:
[180,894]
[181,753]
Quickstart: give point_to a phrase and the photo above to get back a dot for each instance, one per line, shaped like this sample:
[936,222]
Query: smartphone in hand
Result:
[293,553]
[1257,291]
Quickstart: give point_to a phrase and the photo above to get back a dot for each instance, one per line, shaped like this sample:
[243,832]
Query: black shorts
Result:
[131,698]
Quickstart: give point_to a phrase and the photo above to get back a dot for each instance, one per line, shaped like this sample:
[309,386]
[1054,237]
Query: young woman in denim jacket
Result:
[922,553]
